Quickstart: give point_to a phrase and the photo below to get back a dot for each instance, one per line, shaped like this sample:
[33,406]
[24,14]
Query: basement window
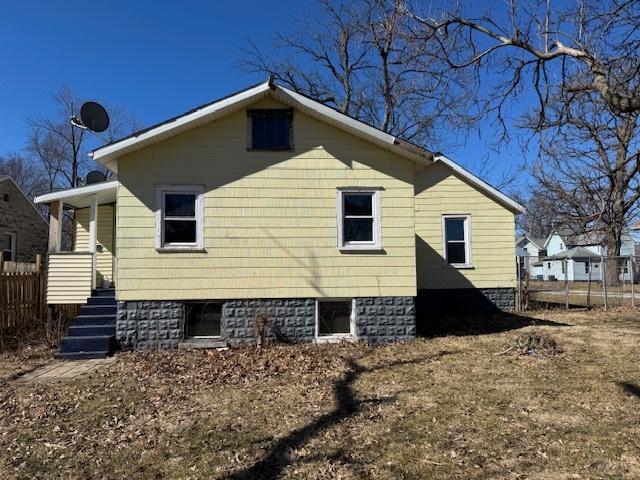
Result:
[203,319]
[270,129]
[334,318]
[179,217]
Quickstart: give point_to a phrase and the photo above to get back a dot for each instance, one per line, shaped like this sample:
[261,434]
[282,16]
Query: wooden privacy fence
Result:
[22,297]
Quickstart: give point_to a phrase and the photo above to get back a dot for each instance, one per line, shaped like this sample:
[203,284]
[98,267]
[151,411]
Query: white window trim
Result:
[336,337]
[376,244]
[12,247]
[189,189]
[467,240]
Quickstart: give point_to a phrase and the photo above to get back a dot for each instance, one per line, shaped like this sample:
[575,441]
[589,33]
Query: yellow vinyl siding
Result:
[440,192]
[68,278]
[104,259]
[270,228]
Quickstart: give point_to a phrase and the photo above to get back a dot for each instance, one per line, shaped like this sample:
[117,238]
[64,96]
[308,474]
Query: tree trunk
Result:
[612,244]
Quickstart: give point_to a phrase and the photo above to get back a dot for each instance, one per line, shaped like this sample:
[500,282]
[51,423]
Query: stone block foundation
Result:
[160,324]
[465,300]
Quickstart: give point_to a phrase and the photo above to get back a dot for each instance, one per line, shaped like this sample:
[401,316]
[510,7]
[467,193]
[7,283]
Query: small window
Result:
[562,263]
[334,317]
[179,217]
[271,129]
[8,247]
[456,240]
[549,265]
[203,319]
[586,267]
[359,219]
[6,197]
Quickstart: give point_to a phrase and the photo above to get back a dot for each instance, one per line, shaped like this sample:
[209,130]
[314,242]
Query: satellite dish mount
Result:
[93,117]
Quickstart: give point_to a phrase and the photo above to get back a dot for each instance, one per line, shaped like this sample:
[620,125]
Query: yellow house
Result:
[268,213]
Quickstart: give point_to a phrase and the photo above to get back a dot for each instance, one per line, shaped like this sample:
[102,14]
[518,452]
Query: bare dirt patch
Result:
[445,407]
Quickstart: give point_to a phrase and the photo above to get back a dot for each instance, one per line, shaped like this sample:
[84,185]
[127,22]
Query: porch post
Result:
[55,226]
[93,235]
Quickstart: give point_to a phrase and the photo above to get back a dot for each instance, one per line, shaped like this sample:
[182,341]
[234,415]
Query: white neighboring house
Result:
[529,249]
[577,257]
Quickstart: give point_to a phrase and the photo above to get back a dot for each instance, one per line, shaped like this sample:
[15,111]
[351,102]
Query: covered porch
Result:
[88,264]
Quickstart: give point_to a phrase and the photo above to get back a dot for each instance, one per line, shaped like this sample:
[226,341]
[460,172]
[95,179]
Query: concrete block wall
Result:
[159,324]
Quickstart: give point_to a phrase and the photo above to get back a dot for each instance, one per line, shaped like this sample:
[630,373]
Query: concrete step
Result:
[104,292]
[82,355]
[98,310]
[203,343]
[108,301]
[96,343]
[91,330]
[82,320]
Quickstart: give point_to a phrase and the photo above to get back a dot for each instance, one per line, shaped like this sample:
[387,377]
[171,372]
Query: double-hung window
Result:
[457,240]
[359,219]
[179,217]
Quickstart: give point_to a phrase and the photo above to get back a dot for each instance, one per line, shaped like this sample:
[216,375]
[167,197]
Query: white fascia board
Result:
[78,191]
[102,154]
[25,197]
[481,184]
[348,124]
[553,232]
[107,155]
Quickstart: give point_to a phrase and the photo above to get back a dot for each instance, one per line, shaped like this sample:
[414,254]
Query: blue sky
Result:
[156,59]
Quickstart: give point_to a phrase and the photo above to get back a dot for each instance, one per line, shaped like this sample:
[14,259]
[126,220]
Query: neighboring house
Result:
[577,257]
[529,250]
[267,202]
[23,230]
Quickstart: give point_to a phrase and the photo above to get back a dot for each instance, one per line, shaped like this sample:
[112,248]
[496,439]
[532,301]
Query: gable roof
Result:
[576,239]
[4,178]
[537,242]
[108,154]
[575,252]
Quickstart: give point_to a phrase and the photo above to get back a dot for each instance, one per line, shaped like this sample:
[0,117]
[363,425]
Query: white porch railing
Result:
[69,277]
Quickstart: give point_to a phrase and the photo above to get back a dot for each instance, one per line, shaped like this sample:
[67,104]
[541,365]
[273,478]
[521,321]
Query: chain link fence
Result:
[574,281]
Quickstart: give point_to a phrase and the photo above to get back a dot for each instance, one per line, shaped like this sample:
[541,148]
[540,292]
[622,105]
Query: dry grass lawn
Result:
[442,407]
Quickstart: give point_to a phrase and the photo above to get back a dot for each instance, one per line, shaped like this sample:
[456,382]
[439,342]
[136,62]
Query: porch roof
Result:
[80,197]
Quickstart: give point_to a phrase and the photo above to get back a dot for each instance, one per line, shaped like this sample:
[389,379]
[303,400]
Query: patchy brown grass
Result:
[444,407]
[23,360]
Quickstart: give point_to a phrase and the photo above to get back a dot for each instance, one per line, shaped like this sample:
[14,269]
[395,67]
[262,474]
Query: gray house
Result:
[23,230]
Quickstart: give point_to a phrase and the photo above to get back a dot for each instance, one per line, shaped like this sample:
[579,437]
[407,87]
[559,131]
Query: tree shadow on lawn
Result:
[478,324]
[630,388]
[279,456]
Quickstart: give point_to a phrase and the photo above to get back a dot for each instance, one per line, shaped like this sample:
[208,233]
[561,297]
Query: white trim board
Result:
[109,154]
[88,191]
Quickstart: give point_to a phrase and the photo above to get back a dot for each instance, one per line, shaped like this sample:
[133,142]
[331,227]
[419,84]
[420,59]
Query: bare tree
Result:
[61,148]
[58,151]
[29,177]
[360,58]
[581,61]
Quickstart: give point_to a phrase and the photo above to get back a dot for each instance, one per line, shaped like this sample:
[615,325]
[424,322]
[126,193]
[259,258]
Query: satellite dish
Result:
[94,117]
[95,176]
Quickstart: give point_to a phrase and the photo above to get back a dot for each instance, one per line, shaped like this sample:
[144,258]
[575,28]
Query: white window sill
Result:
[460,267]
[336,338]
[180,250]
[361,248]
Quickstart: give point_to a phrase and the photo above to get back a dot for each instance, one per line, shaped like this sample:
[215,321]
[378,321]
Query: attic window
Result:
[270,129]
[6,197]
